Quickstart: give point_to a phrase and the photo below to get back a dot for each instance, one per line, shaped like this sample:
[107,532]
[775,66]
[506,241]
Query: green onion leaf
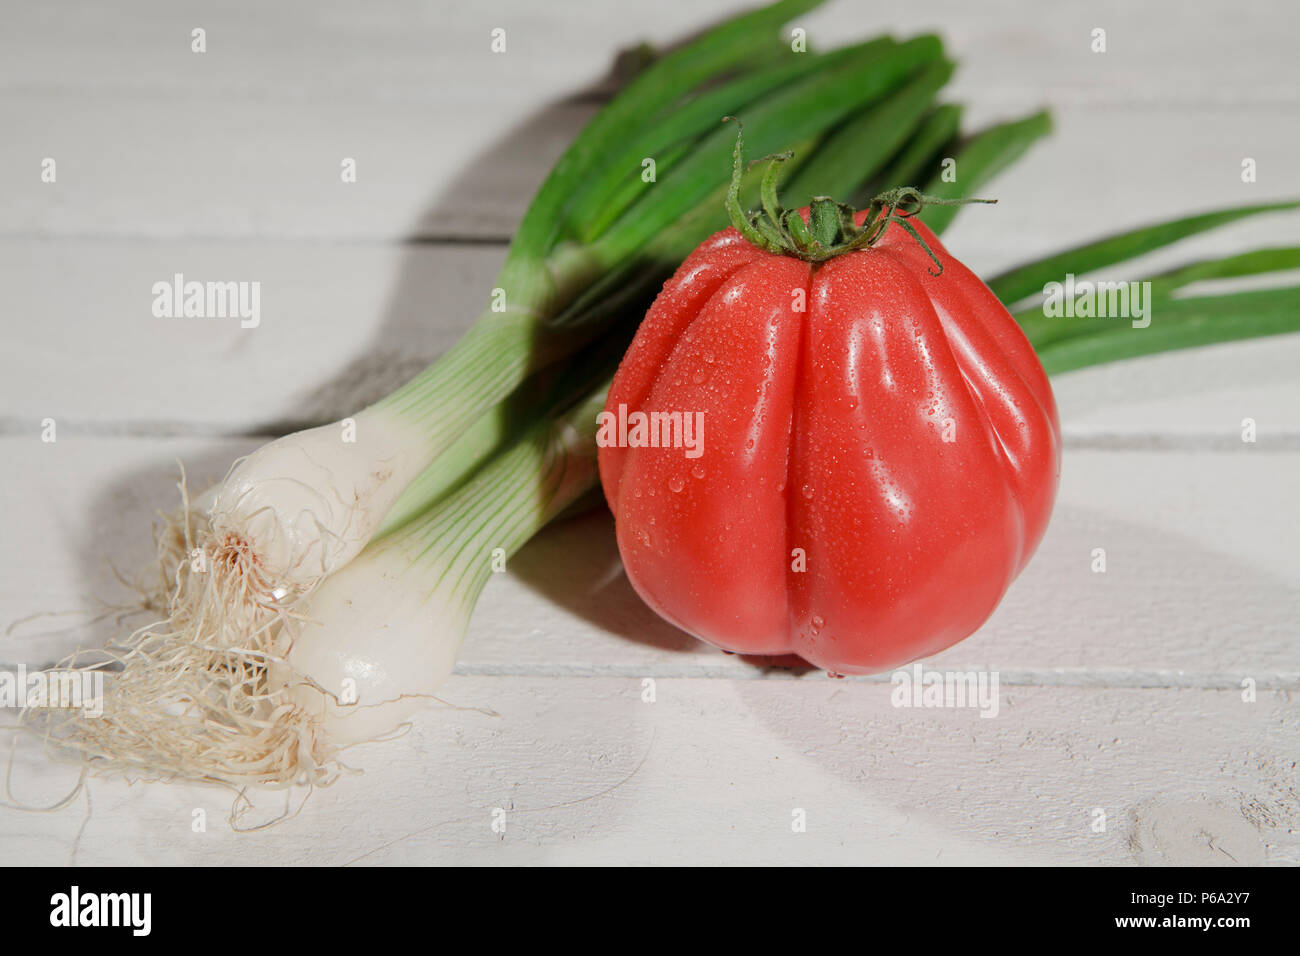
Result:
[1028,280]
[979,160]
[1256,262]
[1178,324]
[668,136]
[803,109]
[914,162]
[867,139]
[729,45]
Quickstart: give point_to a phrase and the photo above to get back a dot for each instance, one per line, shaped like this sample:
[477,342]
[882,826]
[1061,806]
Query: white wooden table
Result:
[1120,691]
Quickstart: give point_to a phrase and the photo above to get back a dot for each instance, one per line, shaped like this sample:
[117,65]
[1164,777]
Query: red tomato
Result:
[879,456]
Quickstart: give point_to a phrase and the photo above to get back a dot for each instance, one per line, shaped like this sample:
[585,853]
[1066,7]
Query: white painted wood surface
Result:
[1120,691]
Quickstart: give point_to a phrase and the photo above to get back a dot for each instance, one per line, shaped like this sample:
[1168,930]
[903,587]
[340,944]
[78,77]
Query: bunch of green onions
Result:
[319,595]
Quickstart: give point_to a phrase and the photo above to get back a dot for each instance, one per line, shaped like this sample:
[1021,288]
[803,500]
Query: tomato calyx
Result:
[831,229]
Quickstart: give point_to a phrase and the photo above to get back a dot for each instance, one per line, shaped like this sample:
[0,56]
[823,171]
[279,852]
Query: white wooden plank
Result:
[76,514]
[119,177]
[340,325]
[266,169]
[1198,397]
[1105,170]
[1200,589]
[388,49]
[712,772]
[246,140]
[343,324]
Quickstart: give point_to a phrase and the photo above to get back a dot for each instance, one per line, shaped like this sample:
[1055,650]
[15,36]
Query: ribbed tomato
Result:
[879,455]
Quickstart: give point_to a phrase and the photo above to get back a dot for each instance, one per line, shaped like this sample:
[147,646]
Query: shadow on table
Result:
[1180,763]
[575,564]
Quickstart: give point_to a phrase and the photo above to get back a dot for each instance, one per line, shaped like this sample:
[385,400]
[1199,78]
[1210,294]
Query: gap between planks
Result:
[1078,677]
[1083,438]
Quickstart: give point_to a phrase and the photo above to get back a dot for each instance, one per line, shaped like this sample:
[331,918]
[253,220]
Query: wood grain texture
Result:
[712,772]
[1120,692]
[450,139]
[344,323]
[1199,590]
